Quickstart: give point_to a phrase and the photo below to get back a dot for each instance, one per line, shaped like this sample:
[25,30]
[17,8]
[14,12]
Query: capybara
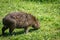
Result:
[19,20]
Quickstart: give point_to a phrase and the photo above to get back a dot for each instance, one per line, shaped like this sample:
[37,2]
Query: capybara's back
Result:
[19,20]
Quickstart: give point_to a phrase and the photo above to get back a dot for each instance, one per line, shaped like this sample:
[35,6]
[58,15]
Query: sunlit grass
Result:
[48,15]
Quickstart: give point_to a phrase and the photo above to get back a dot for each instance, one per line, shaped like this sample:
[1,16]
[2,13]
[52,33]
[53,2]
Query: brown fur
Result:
[19,20]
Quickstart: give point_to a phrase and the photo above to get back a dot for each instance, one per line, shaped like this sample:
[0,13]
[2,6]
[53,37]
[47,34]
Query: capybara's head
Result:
[36,24]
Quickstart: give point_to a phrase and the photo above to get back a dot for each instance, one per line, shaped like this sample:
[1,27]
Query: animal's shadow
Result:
[16,33]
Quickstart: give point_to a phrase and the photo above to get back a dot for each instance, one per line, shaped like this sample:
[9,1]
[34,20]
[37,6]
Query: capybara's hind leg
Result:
[3,29]
[11,30]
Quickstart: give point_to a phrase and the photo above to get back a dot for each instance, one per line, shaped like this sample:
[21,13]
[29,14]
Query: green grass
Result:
[48,15]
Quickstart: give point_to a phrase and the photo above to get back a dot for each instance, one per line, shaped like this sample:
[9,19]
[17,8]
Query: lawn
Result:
[47,13]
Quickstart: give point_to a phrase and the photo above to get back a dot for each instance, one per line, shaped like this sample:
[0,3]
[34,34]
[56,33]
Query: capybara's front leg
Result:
[3,29]
[26,30]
